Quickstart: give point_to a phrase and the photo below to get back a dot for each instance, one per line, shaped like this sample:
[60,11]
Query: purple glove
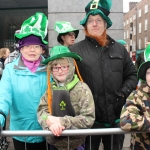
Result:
[81,147]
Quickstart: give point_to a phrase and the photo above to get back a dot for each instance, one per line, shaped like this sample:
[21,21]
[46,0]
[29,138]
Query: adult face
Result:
[60,72]
[68,39]
[31,52]
[147,43]
[148,76]
[95,25]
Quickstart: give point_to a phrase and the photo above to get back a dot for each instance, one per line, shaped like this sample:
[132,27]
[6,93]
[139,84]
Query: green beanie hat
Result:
[122,42]
[35,25]
[98,7]
[145,65]
[60,51]
[62,27]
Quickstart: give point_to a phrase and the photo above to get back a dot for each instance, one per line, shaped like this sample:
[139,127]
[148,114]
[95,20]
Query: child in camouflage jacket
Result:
[68,103]
[135,115]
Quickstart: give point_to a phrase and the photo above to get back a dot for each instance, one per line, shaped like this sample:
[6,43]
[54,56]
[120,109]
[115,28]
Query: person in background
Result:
[66,33]
[4,52]
[15,53]
[45,52]
[135,114]
[108,71]
[140,58]
[124,43]
[68,103]
[138,62]
[24,82]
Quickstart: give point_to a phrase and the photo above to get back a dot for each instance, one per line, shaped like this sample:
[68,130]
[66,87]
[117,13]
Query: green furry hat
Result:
[98,7]
[35,25]
[144,66]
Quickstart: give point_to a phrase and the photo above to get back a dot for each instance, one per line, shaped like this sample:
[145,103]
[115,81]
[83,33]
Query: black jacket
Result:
[109,72]
[1,66]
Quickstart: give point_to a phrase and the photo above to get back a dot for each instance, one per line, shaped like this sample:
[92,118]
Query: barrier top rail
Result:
[67,132]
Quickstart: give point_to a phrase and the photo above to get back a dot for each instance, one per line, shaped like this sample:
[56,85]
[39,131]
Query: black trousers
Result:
[118,139]
[18,145]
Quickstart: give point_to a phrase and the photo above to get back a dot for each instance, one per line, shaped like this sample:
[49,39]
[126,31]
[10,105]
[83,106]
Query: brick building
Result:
[137,25]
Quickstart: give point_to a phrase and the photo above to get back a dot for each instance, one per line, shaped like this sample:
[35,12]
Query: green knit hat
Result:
[145,65]
[59,52]
[122,42]
[98,7]
[35,25]
[62,27]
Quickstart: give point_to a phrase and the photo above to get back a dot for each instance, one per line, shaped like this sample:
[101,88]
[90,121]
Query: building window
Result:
[130,19]
[127,34]
[134,17]
[124,35]
[146,24]
[124,23]
[139,27]
[139,13]
[139,43]
[133,45]
[134,30]
[146,8]
[145,41]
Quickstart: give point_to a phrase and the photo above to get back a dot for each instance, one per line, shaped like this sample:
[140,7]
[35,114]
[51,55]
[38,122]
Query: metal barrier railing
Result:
[106,131]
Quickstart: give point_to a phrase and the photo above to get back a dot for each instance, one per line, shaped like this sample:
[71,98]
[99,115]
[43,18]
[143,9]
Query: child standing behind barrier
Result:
[135,115]
[68,103]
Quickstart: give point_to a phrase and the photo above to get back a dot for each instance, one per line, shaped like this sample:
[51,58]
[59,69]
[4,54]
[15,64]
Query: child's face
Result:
[60,72]
[148,76]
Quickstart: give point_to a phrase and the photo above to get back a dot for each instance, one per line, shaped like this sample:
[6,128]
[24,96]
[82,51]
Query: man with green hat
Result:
[135,115]
[24,82]
[108,71]
[68,102]
[66,33]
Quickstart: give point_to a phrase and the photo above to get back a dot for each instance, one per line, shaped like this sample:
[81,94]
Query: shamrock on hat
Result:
[101,7]
[62,28]
[145,65]
[59,52]
[35,25]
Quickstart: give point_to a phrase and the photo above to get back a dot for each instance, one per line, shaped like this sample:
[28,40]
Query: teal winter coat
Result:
[20,92]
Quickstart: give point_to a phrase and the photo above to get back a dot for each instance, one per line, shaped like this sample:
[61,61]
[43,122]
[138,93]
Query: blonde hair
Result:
[49,92]
[3,52]
[58,61]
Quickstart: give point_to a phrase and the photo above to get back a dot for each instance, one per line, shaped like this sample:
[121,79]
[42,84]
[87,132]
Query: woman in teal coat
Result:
[24,82]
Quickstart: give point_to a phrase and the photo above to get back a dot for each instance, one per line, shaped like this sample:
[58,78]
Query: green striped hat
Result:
[35,25]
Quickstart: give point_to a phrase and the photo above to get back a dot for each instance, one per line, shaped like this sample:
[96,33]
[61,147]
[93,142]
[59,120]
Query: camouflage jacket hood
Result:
[135,116]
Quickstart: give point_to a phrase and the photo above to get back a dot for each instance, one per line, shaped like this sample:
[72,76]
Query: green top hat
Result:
[63,27]
[59,52]
[145,65]
[95,7]
[35,25]
[122,42]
